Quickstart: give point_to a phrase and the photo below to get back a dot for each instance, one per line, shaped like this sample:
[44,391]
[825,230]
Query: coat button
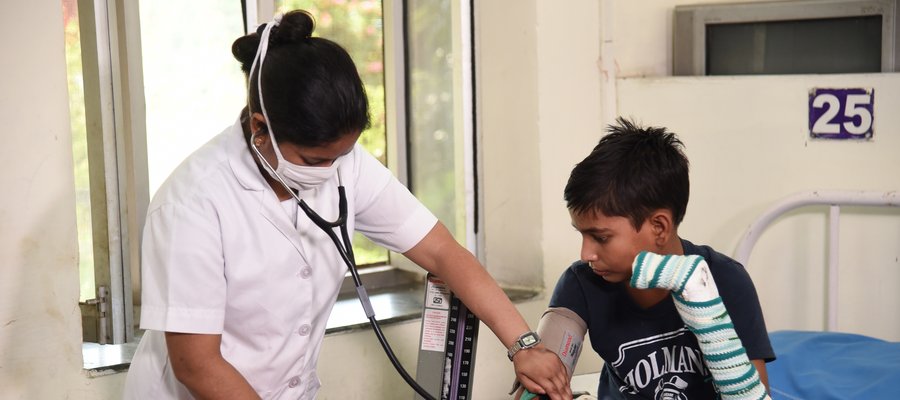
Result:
[305,272]
[304,330]
[294,382]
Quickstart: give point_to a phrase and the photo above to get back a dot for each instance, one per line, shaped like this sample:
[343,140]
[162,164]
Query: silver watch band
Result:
[526,341]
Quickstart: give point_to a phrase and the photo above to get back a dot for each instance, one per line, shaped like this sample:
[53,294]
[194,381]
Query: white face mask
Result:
[301,177]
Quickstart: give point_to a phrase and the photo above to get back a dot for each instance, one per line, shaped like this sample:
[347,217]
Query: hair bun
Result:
[295,26]
[244,50]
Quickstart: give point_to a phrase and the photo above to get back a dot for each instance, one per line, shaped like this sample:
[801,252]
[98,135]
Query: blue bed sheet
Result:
[831,365]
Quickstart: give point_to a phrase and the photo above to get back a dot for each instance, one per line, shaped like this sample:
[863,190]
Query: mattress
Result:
[832,365]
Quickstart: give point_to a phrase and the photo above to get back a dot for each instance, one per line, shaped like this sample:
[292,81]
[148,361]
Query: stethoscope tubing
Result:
[345,250]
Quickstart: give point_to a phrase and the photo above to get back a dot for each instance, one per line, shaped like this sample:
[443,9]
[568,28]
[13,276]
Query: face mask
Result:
[302,177]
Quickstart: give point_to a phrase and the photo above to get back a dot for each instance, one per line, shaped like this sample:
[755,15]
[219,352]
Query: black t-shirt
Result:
[649,353]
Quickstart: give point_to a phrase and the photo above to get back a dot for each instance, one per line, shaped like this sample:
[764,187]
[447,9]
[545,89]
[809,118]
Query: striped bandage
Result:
[697,301]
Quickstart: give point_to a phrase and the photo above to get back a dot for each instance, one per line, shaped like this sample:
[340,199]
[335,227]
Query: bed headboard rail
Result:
[833,198]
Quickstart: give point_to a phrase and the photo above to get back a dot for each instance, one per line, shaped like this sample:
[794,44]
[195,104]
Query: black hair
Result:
[632,172]
[313,92]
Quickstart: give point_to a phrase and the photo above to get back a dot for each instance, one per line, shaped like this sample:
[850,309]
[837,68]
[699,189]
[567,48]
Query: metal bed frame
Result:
[835,199]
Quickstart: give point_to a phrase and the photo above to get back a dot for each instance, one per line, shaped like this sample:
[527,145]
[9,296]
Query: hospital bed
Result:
[828,364]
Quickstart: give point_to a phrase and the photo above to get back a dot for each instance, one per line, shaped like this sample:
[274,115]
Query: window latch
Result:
[102,307]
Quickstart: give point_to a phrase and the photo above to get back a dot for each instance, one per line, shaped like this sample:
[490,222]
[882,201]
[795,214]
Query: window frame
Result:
[115,119]
[689,25]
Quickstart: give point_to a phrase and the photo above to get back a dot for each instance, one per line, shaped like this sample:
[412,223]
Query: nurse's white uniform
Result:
[221,256]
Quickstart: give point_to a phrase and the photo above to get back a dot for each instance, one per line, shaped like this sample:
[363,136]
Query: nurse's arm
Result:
[198,364]
[439,253]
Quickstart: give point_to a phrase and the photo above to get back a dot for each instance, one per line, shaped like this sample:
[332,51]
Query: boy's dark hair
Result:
[632,172]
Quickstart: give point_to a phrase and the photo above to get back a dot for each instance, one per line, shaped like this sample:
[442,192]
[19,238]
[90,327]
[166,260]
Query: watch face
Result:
[529,340]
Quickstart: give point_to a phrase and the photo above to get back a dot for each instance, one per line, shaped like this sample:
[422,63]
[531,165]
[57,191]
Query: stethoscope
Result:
[343,244]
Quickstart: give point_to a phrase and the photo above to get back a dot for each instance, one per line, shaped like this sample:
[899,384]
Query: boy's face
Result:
[610,244]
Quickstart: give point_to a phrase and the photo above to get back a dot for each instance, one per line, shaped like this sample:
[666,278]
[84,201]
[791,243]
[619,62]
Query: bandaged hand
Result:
[700,307]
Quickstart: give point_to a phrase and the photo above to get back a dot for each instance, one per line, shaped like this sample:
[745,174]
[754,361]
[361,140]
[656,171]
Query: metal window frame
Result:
[115,119]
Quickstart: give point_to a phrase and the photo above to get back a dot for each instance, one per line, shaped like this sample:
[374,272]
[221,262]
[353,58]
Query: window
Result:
[438,129]
[194,88]
[154,85]
[79,150]
[108,154]
[795,47]
[787,37]
[203,66]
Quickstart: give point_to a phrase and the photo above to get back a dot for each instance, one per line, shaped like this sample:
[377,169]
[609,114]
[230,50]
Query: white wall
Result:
[747,139]
[40,324]
[758,113]
[748,144]
[508,92]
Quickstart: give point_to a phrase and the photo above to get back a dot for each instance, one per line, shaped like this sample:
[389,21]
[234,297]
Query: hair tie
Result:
[258,66]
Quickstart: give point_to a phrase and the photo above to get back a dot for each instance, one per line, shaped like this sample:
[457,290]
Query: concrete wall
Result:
[540,94]
[40,324]
[747,139]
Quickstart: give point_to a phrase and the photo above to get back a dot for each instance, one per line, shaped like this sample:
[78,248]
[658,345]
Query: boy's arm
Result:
[562,331]
[699,305]
[761,370]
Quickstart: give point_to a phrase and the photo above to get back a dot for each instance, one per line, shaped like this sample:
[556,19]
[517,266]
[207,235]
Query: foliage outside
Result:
[79,150]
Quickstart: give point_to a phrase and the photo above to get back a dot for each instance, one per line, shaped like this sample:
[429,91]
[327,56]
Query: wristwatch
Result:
[526,341]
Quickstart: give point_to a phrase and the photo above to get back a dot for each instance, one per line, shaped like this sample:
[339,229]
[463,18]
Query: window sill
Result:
[393,304]
[107,359]
[401,300]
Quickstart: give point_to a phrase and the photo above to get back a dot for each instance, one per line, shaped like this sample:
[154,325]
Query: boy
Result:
[625,198]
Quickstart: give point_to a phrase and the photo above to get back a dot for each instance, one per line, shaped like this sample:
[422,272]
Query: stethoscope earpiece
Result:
[257,138]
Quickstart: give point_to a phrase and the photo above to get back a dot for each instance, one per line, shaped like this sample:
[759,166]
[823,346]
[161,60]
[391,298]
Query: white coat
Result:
[221,256]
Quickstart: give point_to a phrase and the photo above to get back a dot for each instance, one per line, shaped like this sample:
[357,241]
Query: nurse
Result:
[238,283]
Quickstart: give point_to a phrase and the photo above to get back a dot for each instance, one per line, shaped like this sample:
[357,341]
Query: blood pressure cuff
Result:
[562,332]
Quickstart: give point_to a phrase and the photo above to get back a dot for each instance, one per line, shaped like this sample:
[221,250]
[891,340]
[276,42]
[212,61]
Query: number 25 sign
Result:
[841,113]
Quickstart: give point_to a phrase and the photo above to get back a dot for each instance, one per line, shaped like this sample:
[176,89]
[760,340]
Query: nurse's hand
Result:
[541,372]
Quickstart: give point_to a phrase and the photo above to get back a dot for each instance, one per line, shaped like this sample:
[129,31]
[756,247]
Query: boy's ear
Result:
[662,225]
